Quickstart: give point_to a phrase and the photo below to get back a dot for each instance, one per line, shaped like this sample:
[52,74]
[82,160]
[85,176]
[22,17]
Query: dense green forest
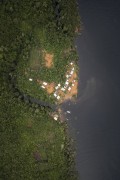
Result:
[33,145]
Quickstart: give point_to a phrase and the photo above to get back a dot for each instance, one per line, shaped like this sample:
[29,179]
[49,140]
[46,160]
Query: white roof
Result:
[66,82]
[58,97]
[73,85]
[69,88]
[56,118]
[30,79]
[44,83]
[55,94]
[59,85]
[68,112]
[67,76]
[71,72]
[71,63]
[43,87]
[73,68]
[56,87]
[65,86]
[62,89]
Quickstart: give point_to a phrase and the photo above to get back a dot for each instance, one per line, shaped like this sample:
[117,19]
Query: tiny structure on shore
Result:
[68,112]
[56,117]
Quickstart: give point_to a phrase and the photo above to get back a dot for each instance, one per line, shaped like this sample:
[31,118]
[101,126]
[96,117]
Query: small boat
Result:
[68,112]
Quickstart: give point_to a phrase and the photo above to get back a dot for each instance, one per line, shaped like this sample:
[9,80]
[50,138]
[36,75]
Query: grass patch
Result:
[35,59]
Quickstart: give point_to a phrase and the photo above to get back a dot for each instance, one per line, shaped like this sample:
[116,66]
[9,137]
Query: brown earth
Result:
[50,88]
[74,91]
[48,59]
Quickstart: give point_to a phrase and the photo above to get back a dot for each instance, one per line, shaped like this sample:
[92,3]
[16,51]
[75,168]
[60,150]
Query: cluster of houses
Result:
[58,87]
[44,84]
[66,83]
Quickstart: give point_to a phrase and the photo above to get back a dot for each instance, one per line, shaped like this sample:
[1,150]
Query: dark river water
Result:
[95,118]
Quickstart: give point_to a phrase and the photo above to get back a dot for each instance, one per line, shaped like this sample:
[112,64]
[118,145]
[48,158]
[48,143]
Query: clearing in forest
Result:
[48,59]
[35,59]
[50,88]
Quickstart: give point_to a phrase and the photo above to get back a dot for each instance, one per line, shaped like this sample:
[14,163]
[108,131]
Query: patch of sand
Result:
[50,88]
[69,94]
[74,91]
[48,59]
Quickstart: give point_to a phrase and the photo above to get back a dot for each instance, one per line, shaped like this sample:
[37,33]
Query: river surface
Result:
[95,119]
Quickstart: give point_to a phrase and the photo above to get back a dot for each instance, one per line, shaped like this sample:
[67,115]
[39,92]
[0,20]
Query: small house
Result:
[58,97]
[69,89]
[45,83]
[43,87]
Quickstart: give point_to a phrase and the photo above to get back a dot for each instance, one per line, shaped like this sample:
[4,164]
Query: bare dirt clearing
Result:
[48,59]
[50,88]
[35,59]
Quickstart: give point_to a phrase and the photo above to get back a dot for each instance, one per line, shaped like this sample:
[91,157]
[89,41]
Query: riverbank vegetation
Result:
[36,41]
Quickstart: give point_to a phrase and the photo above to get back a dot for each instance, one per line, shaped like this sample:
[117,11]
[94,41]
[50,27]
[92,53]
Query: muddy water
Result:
[95,118]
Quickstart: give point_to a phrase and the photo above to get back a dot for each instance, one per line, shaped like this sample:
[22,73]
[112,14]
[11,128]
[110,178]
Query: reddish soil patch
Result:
[50,88]
[69,94]
[74,90]
[48,59]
